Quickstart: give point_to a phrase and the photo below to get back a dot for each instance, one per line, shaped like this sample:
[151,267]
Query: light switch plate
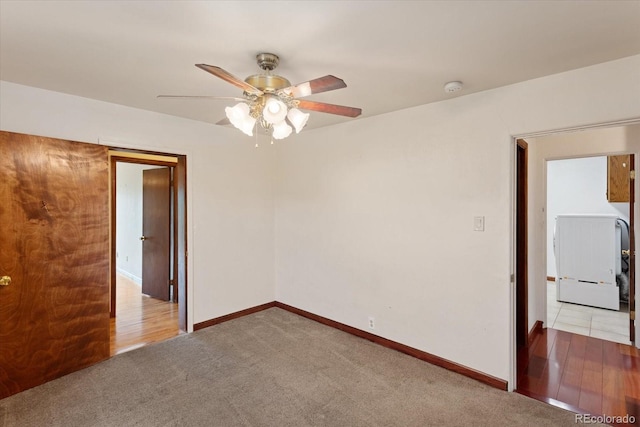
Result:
[478,223]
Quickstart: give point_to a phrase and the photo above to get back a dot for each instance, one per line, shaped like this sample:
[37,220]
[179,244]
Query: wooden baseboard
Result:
[419,354]
[535,330]
[551,279]
[231,316]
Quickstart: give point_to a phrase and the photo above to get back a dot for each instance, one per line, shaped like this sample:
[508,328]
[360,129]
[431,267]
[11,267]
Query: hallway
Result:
[140,320]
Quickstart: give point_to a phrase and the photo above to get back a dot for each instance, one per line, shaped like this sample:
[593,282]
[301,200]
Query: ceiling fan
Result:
[272,101]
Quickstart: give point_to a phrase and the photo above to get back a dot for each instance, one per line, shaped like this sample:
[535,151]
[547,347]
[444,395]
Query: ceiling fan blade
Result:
[225,98]
[329,108]
[229,78]
[321,84]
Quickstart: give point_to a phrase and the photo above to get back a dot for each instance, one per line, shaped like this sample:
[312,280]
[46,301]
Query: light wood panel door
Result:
[618,168]
[156,230]
[54,228]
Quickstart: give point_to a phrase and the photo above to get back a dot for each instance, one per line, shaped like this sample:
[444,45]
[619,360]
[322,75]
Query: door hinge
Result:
[632,174]
[513,278]
[632,315]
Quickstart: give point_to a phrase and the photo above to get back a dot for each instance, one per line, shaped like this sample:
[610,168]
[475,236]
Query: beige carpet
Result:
[271,368]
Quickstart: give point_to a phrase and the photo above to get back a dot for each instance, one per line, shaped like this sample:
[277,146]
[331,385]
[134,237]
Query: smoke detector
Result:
[453,87]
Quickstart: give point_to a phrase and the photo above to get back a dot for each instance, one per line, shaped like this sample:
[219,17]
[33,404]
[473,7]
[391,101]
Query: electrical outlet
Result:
[372,322]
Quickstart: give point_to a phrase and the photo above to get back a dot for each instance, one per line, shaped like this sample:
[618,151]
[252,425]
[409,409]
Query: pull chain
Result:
[256,132]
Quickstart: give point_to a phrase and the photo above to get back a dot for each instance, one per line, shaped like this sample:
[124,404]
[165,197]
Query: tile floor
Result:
[590,321]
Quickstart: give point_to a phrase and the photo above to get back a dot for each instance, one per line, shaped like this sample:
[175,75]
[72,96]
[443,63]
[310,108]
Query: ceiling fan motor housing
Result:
[267,82]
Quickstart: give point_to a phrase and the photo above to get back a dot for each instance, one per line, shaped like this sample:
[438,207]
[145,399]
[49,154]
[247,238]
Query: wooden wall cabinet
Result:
[618,179]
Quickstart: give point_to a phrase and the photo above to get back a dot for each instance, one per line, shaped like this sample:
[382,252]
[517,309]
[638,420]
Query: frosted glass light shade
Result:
[281,130]
[297,118]
[239,116]
[274,111]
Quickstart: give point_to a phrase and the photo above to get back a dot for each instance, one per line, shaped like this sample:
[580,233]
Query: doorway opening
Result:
[580,373]
[147,248]
[590,296]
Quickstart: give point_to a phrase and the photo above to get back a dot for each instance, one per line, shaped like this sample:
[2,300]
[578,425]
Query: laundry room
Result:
[588,232]
[583,195]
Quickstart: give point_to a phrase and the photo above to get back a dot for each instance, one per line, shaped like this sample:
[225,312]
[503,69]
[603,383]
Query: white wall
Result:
[229,188]
[129,220]
[374,217]
[591,142]
[577,186]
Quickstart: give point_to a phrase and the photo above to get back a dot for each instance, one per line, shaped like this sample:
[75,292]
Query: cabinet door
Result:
[618,178]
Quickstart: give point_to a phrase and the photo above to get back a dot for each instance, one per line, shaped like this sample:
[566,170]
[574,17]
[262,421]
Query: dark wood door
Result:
[54,229]
[632,251]
[156,232]
[521,275]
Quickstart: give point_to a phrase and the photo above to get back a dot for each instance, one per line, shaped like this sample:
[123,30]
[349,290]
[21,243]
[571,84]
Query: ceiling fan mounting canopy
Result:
[267,61]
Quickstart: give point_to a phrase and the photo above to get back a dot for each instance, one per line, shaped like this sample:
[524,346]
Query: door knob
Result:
[143,238]
[5,281]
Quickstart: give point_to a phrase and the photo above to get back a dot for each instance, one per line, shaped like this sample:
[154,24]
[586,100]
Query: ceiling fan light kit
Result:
[281,130]
[297,118]
[271,101]
[239,116]
[274,111]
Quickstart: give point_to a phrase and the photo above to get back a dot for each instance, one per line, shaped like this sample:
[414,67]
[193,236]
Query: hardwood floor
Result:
[140,320]
[583,374]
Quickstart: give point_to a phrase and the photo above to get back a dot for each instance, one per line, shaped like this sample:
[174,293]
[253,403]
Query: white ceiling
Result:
[391,54]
